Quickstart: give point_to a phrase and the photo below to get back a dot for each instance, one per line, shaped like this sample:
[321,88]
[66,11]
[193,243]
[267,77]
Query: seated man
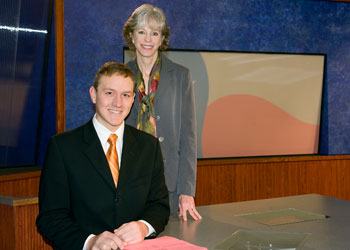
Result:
[86,201]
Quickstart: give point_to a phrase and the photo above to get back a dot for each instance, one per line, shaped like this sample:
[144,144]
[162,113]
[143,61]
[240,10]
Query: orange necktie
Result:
[112,157]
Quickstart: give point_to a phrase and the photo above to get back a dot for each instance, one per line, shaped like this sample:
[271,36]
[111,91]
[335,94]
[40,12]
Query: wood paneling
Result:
[231,180]
[60,66]
[27,236]
[17,224]
[20,184]
[7,237]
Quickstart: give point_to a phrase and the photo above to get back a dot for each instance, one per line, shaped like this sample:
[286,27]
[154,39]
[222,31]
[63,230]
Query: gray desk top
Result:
[219,222]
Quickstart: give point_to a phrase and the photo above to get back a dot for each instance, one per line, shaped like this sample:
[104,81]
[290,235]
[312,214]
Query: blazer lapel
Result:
[165,78]
[94,152]
[130,153]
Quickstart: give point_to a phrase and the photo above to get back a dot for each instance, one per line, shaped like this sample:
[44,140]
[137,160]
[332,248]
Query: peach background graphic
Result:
[247,125]
[263,104]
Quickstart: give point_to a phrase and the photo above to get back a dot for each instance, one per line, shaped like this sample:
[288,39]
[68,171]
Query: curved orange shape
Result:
[246,125]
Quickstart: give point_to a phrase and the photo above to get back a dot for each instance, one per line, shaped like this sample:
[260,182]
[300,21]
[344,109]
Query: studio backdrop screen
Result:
[254,104]
[23,39]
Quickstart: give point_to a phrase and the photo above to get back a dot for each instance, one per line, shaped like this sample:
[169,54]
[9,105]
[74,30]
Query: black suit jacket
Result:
[77,195]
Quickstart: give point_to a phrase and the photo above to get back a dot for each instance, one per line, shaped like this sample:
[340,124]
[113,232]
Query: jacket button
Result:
[117,198]
[161,139]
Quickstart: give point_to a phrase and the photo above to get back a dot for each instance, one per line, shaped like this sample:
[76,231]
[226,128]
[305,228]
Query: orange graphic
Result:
[233,122]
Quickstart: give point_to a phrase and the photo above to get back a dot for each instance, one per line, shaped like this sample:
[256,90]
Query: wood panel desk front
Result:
[17,224]
[219,222]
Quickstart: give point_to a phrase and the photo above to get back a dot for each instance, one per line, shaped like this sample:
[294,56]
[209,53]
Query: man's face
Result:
[113,98]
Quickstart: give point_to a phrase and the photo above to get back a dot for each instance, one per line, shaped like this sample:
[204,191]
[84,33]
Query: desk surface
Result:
[219,222]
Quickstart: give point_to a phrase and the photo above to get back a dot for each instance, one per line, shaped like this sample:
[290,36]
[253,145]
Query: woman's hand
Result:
[186,203]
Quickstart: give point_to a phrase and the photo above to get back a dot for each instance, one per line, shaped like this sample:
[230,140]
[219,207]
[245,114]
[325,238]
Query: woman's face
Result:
[147,40]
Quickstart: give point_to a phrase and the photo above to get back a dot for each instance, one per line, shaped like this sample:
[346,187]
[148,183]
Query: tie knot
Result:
[112,139]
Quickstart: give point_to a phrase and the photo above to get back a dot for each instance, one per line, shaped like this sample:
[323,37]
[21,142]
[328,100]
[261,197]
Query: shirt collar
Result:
[104,133]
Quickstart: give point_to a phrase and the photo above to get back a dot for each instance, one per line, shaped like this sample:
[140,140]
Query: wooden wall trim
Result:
[232,180]
[240,179]
[255,160]
[21,184]
[16,201]
[60,66]
[20,176]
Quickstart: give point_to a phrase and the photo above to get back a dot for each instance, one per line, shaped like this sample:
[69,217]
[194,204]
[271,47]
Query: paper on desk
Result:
[164,243]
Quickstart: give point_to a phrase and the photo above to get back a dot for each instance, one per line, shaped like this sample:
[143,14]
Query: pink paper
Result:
[164,243]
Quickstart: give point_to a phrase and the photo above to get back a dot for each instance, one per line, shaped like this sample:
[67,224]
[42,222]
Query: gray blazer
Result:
[175,117]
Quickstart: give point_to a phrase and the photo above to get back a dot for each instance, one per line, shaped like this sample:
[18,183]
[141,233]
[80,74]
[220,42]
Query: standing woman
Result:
[164,104]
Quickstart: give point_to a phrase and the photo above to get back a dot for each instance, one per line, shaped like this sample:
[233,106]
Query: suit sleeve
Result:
[188,139]
[157,208]
[55,220]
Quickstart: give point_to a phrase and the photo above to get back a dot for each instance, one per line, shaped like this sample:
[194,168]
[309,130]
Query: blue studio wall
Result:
[93,36]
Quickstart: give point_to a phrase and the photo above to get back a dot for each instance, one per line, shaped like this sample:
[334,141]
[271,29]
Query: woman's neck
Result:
[146,63]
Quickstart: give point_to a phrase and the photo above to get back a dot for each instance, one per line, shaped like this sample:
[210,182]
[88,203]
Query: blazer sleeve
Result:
[157,208]
[188,139]
[55,220]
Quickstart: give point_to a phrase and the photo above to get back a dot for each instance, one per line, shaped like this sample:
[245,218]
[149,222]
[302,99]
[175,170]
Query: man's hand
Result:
[132,232]
[186,203]
[105,240]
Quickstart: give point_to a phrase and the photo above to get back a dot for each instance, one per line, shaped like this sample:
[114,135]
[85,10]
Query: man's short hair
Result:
[113,68]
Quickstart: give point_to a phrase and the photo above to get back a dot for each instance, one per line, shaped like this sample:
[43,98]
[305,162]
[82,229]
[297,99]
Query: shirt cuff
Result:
[87,239]
[150,228]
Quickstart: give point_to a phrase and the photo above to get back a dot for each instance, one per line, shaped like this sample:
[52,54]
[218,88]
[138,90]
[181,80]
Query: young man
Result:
[98,195]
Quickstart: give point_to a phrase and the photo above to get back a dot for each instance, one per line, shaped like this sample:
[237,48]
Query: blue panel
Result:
[22,50]
[93,36]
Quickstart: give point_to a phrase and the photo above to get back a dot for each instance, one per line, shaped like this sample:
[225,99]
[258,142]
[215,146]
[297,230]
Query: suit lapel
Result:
[164,78]
[129,155]
[94,152]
